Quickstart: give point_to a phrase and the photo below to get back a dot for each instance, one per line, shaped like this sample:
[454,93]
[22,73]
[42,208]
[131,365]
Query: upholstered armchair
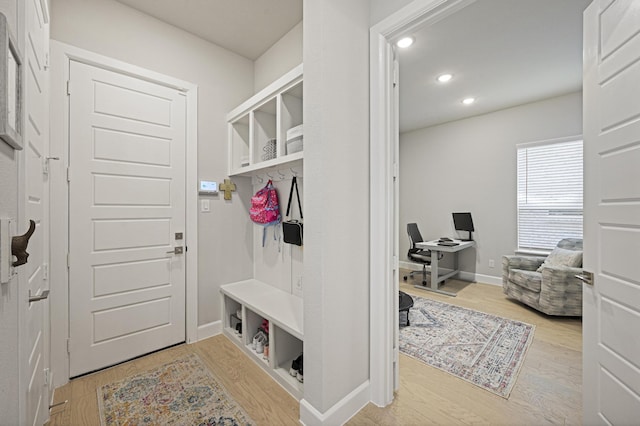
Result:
[547,284]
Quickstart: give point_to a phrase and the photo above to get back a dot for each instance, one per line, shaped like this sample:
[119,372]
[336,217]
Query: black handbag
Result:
[292,229]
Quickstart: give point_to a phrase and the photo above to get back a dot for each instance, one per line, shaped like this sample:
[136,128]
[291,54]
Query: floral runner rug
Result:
[480,348]
[182,392]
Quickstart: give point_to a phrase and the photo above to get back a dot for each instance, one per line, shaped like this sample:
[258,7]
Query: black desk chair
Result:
[417,254]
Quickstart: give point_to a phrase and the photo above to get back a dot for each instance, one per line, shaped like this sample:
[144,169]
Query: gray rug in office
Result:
[480,348]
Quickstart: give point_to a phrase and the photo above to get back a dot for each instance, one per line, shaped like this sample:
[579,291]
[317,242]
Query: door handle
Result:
[176,250]
[42,296]
[586,277]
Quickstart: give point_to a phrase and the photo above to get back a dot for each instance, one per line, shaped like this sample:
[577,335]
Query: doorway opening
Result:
[387,208]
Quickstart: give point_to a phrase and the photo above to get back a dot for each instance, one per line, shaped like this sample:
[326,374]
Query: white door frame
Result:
[383,143]
[61,55]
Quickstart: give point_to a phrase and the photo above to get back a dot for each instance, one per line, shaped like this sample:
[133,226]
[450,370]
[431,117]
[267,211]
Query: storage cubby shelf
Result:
[257,129]
[291,160]
[280,308]
[258,301]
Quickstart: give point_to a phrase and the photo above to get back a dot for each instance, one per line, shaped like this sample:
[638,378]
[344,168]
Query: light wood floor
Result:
[548,389]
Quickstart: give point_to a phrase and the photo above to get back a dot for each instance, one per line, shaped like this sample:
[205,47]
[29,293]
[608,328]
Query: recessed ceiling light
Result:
[468,101]
[444,78]
[405,42]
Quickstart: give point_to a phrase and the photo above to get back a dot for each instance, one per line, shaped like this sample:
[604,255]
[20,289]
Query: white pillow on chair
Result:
[562,257]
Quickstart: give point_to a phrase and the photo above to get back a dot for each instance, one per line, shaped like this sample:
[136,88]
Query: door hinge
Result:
[46,61]
[68,87]
[45,272]
[68,346]
[395,76]
[396,170]
[68,174]
[395,262]
[68,260]
[46,376]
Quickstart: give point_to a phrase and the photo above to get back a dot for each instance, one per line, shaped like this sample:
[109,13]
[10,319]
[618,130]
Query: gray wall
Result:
[9,318]
[381,9]
[224,80]
[336,171]
[470,165]
[283,56]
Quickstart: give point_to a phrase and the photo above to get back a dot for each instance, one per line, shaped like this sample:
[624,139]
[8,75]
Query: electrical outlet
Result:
[492,264]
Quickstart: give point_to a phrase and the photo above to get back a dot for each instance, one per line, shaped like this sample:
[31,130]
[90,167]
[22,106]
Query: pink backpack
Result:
[265,209]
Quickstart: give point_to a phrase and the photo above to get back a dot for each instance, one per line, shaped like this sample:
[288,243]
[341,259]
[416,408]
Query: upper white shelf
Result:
[257,128]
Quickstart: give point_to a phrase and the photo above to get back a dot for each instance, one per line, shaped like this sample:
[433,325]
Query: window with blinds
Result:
[549,193]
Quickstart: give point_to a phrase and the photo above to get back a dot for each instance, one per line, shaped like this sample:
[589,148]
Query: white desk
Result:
[436,278]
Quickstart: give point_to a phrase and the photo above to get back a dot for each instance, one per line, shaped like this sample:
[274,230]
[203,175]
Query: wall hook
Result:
[19,245]
[293,172]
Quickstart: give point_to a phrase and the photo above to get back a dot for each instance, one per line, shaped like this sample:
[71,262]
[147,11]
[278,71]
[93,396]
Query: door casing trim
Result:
[61,56]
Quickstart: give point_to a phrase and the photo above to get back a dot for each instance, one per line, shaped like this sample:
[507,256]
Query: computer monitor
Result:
[463,222]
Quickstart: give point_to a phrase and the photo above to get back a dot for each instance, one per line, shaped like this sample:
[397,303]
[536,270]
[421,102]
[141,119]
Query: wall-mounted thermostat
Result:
[208,187]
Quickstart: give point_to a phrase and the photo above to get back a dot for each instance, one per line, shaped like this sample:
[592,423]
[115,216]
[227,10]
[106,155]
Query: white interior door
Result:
[35,357]
[126,214]
[611,353]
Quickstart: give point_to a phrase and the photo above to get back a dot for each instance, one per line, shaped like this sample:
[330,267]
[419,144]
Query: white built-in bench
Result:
[257,301]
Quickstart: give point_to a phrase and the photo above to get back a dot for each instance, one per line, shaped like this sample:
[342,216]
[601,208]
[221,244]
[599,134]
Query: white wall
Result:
[381,9]
[470,165]
[336,170]
[283,56]
[9,300]
[224,80]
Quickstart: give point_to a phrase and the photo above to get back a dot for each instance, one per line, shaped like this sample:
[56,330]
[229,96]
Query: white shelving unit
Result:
[264,117]
[257,301]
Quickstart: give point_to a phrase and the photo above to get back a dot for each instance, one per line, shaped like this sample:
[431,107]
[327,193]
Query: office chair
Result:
[416,254]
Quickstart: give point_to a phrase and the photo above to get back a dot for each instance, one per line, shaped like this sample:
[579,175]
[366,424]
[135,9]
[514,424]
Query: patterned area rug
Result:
[182,392]
[483,349]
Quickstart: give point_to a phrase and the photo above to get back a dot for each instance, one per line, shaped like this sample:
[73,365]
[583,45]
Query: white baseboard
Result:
[412,266]
[209,330]
[462,275]
[480,278]
[340,413]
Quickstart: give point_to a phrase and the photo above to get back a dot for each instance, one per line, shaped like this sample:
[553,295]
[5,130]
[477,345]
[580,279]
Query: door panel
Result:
[612,213]
[36,359]
[127,202]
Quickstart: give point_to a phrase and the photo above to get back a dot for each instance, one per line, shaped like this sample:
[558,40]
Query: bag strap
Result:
[294,182]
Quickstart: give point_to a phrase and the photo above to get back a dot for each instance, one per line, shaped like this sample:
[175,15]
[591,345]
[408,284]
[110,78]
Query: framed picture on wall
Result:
[10,87]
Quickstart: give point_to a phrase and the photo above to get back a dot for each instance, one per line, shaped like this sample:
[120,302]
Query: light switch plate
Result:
[205,206]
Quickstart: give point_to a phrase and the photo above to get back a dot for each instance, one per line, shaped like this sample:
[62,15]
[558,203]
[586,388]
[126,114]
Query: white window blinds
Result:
[549,194]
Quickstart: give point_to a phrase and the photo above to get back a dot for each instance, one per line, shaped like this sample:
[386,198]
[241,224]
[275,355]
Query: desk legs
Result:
[436,279]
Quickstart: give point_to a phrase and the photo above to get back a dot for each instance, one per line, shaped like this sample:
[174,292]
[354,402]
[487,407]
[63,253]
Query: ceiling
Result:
[502,52]
[246,27]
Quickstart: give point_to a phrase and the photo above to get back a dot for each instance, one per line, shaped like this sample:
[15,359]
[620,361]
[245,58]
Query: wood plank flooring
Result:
[548,389]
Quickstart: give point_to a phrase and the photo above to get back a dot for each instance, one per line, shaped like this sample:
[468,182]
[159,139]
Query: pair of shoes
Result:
[265,354]
[265,325]
[239,329]
[296,369]
[259,341]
